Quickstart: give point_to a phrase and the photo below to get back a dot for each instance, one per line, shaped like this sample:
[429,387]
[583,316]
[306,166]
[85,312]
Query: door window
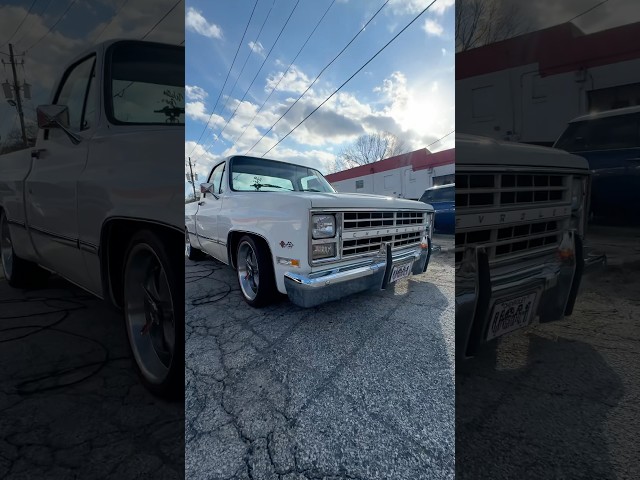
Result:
[216,178]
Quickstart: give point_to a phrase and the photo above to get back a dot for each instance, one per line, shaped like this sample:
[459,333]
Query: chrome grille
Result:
[536,209]
[373,229]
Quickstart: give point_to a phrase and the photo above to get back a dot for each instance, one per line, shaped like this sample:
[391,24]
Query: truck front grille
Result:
[366,232]
[511,214]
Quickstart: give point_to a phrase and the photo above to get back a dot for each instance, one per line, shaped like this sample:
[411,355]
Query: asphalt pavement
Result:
[361,388]
[71,406]
[560,400]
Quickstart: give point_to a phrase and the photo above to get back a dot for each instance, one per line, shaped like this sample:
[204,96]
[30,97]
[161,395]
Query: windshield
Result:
[609,133]
[439,195]
[146,84]
[249,174]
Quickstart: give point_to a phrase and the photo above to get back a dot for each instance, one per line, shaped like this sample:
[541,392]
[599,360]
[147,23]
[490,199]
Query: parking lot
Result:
[561,400]
[362,388]
[71,406]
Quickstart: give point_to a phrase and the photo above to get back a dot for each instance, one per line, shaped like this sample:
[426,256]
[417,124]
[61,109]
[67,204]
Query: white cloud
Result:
[197,111]
[194,92]
[404,7]
[433,28]
[257,47]
[196,22]
[294,81]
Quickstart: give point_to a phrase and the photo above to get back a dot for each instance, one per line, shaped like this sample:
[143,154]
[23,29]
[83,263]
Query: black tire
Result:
[191,252]
[17,272]
[153,303]
[257,285]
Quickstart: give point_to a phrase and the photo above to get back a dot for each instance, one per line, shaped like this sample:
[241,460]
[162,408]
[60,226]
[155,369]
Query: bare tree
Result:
[481,22]
[12,141]
[370,148]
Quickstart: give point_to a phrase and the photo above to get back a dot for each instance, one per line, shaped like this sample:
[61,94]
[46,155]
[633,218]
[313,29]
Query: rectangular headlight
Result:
[324,226]
[577,192]
[323,250]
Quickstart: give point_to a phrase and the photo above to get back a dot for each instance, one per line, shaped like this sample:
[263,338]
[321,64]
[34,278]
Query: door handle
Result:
[201,203]
[35,153]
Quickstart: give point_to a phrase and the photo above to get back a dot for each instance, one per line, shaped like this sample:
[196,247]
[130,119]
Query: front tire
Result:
[190,251]
[255,272]
[19,273]
[154,314]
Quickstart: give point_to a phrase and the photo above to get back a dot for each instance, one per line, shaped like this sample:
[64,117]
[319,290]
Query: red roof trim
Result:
[560,49]
[418,160]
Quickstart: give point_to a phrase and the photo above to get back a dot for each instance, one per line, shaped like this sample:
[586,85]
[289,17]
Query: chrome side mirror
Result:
[56,116]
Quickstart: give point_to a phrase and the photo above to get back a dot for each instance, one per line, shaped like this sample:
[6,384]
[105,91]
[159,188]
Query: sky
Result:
[407,89]
[47,52]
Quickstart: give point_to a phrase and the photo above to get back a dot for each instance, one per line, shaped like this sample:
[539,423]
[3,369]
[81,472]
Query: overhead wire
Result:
[441,138]
[351,77]
[113,17]
[318,76]
[224,107]
[225,80]
[162,19]
[53,26]
[20,24]
[285,73]
[46,7]
[259,70]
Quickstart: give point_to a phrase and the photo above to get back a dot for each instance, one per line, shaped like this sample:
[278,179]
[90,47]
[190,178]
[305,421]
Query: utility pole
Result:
[16,88]
[192,180]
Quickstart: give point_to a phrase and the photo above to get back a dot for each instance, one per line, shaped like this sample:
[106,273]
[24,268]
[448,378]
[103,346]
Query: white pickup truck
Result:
[283,228]
[520,230]
[98,199]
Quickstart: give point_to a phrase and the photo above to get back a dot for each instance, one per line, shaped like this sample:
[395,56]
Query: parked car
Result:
[97,200]
[520,237]
[610,142]
[283,228]
[442,199]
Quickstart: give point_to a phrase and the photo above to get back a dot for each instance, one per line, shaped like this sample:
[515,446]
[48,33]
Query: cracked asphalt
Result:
[362,388]
[71,406]
[560,400]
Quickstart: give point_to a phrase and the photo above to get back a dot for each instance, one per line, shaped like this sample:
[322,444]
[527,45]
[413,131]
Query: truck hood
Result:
[359,200]
[473,150]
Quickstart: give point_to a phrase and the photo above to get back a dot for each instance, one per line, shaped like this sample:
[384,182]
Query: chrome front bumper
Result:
[309,290]
[479,286]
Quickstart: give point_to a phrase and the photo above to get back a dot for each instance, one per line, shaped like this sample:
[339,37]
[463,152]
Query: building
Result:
[403,176]
[528,87]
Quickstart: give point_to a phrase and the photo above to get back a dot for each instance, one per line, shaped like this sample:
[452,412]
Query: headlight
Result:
[324,226]
[323,250]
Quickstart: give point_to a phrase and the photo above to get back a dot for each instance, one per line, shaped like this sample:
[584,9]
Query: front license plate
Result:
[509,315]
[400,271]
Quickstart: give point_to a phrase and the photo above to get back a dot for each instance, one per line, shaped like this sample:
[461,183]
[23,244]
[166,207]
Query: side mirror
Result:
[53,116]
[206,188]
[56,116]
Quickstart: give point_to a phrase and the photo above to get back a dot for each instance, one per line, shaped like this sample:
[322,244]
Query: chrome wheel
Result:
[248,273]
[150,315]
[6,248]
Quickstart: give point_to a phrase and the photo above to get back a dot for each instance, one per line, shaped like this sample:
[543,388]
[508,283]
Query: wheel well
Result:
[234,239]
[114,242]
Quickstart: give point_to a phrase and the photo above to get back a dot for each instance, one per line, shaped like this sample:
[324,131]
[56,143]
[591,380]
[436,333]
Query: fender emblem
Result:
[284,244]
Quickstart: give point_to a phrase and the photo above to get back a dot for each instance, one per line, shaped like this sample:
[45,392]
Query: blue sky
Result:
[407,90]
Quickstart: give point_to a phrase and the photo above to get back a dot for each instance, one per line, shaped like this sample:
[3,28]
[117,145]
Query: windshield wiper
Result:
[311,190]
[260,185]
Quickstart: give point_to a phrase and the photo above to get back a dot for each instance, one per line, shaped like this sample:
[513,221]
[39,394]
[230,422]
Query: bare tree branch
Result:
[481,22]
[370,148]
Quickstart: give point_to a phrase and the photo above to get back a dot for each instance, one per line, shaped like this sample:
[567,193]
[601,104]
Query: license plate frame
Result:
[505,316]
[400,271]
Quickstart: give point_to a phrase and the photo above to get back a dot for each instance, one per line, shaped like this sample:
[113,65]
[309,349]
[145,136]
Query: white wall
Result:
[536,109]
[401,182]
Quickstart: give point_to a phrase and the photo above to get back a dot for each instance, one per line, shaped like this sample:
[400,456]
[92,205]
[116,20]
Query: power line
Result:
[242,70]
[318,76]
[225,80]
[20,24]
[441,138]
[46,7]
[53,26]
[260,69]
[587,11]
[349,79]
[285,72]
[162,19]
[115,15]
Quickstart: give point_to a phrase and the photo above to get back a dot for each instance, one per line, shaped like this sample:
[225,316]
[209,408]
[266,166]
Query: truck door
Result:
[207,216]
[51,187]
